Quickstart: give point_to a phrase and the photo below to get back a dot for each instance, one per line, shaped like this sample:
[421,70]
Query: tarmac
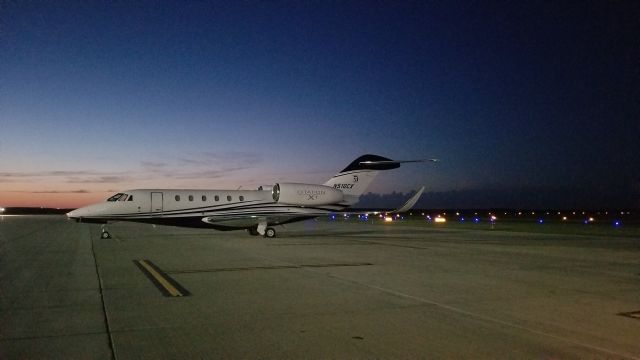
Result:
[320,290]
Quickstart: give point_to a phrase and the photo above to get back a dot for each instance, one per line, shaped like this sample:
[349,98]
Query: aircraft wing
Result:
[283,215]
[404,208]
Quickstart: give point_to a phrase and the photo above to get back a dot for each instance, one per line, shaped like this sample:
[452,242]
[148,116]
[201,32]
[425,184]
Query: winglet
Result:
[409,204]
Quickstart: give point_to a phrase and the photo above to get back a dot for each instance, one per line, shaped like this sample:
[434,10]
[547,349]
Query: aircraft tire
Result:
[270,232]
[105,235]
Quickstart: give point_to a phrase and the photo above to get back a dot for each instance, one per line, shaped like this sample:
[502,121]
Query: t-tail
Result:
[357,176]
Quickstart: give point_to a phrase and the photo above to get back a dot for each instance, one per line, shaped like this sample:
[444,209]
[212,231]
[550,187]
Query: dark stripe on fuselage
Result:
[233,210]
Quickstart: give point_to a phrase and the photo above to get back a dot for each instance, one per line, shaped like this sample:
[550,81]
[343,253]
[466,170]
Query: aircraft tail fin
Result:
[357,176]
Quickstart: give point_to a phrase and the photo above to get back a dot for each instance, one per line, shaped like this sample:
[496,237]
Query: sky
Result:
[526,104]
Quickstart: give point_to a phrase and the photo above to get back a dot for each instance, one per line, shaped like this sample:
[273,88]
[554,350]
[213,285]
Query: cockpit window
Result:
[123,198]
[116,197]
[130,198]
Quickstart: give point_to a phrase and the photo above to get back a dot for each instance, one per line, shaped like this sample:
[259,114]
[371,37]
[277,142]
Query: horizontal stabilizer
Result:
[389,162]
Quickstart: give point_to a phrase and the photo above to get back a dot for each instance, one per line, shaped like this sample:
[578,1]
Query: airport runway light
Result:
[493,218]
[617,223]
[388,219]
[440,220]
[540,221]
[476,220]
[591,219]
[564,218]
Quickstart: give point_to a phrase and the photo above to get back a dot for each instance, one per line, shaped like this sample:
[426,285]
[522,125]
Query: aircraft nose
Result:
[76,214]
[72,215]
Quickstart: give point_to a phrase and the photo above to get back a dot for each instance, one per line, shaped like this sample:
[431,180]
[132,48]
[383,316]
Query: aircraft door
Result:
[156,202]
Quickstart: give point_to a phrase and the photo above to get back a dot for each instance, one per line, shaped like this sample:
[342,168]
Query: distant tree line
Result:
[510,198]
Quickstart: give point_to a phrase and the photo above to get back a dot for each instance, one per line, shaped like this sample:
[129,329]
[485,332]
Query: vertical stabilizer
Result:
[357,176]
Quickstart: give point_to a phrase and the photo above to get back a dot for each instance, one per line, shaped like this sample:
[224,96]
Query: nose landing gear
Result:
[105,234]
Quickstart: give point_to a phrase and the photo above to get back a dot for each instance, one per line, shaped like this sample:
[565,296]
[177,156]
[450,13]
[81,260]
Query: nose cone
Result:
[75,214]
[95,213]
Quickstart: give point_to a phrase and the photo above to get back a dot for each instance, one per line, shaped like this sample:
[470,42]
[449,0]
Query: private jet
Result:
[256,211]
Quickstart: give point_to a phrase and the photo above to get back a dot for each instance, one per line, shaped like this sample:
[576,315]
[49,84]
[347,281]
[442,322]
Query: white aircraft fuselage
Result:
[254,210]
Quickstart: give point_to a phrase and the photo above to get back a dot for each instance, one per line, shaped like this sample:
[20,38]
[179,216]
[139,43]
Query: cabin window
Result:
[241,198]
[177,197]
[204,198]
[130,198]
[217,198]
[190,197]
[228,197]
[115,197]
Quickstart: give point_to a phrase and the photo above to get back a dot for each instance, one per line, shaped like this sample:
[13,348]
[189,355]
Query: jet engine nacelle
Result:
[305,194]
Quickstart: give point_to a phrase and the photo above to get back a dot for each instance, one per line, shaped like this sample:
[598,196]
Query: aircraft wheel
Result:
[270,232]
[105,235]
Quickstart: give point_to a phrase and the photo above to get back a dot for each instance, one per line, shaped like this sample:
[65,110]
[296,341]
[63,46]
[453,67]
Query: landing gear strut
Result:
[105,234]
[265,231]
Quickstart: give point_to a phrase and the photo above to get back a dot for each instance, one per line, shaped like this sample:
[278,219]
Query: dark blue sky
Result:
[525,98]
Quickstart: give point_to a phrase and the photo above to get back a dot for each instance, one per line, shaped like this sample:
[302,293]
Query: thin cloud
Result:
[234,156]
[207,174]
[210,158]
[98,180]
[153,164]
[62,176]
[51,192]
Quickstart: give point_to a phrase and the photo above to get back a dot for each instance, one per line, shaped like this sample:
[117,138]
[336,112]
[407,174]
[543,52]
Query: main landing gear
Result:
[270,232]
[263,230]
